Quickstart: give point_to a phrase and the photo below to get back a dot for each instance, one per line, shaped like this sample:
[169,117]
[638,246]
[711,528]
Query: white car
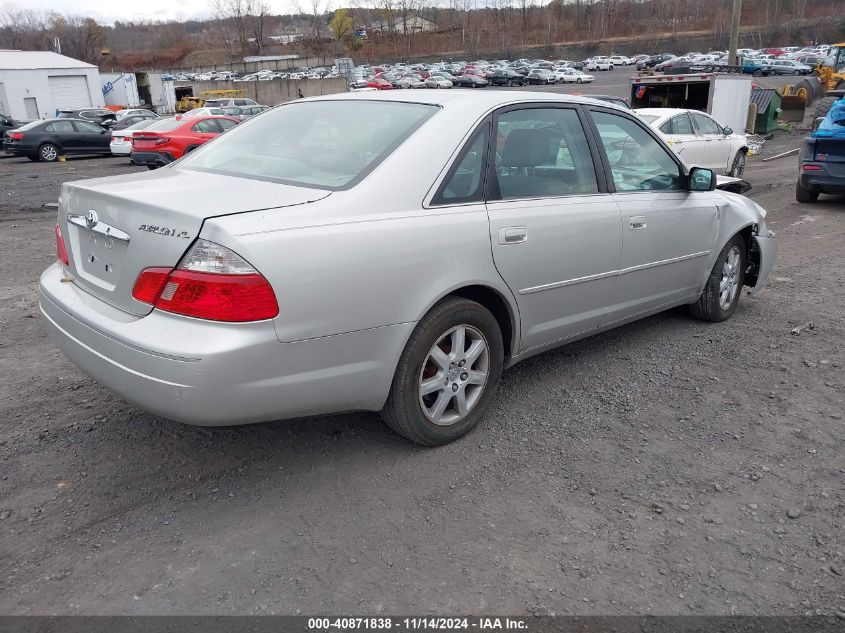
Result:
[574,76]
[598,64]
[438,82]
[132,111]
[621,60]
[121,140]
[698,139]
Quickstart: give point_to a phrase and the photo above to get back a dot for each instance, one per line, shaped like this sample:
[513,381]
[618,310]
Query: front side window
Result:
[88,128]
[542,152]
[637,161]
[323,144]
[226,124]
[706,125]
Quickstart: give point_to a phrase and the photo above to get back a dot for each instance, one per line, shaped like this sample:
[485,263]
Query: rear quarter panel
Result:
[348,276]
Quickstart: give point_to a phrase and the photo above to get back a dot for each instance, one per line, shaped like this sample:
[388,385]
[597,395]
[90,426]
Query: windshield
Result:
[323,144]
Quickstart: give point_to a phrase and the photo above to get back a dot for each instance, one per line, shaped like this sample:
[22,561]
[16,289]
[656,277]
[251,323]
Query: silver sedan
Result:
[275,272]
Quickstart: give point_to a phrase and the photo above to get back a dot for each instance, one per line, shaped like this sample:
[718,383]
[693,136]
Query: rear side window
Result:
[60,126]
[208,126]
[542,152]
[465,182]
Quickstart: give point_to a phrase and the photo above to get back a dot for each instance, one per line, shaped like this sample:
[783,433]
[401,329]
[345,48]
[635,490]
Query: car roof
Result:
[446,99]
[662,113]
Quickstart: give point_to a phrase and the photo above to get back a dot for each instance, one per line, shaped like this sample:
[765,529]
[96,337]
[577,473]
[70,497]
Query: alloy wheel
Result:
[729,283]
[454,375]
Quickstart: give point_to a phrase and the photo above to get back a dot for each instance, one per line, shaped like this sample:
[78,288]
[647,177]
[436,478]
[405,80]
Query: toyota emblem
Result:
[91,219]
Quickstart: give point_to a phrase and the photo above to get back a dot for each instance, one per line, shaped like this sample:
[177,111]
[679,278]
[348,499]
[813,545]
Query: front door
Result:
[718,146]
[93,138]
[554,229]
[667,231]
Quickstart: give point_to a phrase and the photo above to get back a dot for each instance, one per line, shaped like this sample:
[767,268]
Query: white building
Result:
[34,84]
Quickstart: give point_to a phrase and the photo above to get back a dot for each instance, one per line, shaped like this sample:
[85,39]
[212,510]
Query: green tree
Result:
[342,26]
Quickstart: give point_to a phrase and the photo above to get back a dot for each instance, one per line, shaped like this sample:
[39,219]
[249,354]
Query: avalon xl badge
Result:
[164,230]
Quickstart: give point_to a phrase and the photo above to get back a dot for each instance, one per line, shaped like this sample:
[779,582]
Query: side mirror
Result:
[702,179]
[728,131]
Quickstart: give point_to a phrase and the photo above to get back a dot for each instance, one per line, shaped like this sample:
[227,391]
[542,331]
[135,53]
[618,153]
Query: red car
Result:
[379,84]
[164,142]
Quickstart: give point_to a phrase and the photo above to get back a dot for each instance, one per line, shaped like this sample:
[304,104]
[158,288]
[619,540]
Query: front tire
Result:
[738,167]
[448,374]
[721,293]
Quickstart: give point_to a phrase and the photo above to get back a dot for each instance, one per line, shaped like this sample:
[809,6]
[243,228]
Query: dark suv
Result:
[100,116]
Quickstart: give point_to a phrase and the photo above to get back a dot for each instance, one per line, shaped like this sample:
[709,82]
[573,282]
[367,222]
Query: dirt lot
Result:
[669,467]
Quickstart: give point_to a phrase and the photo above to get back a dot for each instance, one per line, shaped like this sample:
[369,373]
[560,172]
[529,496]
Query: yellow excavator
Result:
[827,83]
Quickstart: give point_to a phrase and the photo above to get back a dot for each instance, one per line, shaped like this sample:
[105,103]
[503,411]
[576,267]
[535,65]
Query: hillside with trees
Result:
[469,28]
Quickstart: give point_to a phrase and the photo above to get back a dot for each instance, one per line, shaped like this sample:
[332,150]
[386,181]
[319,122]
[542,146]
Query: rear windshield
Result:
[323,144]
[649,118]
[142,125]
[168,125]
[29,126]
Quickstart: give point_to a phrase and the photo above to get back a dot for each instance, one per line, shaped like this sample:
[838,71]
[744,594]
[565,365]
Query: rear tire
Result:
[422,409]
[48,152]
[805,195]
[721,293]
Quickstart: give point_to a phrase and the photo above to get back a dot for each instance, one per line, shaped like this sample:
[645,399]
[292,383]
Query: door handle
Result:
[636,223]
[513,234]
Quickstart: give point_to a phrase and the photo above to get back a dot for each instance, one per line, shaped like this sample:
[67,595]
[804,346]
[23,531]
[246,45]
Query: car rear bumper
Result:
[154,159]
[16,149]
[120,149]
[210,373]
[822,181]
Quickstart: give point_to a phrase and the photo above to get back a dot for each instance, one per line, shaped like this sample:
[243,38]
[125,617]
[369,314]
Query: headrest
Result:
[530,147]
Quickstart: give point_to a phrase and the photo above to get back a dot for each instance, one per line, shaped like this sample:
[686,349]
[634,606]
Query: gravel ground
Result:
[667,467]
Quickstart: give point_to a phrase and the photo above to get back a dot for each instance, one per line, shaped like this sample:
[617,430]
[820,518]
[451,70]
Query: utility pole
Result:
[734,42]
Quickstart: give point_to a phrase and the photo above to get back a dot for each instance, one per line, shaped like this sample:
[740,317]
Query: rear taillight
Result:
[211,282]
[61,249]
[162,140]
[15,136]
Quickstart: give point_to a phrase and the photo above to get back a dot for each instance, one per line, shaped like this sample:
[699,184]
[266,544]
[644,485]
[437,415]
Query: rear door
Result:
[67,136]
[667,231]
[554,228]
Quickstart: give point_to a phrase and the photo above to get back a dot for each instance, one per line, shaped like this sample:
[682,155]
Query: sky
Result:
[107,11]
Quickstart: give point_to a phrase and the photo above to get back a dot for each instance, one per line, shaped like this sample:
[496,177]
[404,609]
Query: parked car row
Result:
[769,61]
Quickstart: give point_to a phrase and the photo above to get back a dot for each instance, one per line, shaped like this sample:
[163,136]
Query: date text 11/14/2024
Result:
[417,624]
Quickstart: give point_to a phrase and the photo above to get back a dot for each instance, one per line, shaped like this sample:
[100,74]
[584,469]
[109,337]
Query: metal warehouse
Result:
[34,84]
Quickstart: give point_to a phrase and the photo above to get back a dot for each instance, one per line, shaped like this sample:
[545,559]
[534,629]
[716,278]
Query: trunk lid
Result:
[116,227]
